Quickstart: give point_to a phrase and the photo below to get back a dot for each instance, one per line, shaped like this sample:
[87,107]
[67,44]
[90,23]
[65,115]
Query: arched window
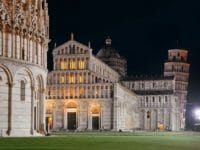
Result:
[49,92]
[62,65]
[153,99]
[23,54]
[165,98]
[22,90]
[147,99]
[72,78]
[80,78]
[148,114]
[154,84]
[62,79]
[142,85]
[159,99]
[133,85]
[81,64]
[165,84]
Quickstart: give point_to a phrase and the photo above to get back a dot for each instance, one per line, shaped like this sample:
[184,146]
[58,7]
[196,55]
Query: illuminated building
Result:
[23,66]
[87,92]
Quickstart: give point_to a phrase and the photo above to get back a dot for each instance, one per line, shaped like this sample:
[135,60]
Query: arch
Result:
[9,96]
[30,74]
[41,79]
[72,105]
[8,73]
[95,110]
[38,110]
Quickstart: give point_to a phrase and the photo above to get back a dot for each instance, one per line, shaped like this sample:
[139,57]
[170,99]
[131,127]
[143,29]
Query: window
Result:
[49,92]
[153,99]
[71,90]
[165,98]
[72,79]
[72,49]
[18,46]
[154,84]
[159,99]
[148,114]
[23,54]
[62,65]
[147,99]
[81,64]
[165,84]
[81,91]
[72,64]
[133,85]
[62,79]
[22,90]
[80,78]
[142,85]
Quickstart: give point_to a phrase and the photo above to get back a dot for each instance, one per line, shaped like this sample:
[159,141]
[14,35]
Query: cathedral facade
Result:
[88,92]
[23,66]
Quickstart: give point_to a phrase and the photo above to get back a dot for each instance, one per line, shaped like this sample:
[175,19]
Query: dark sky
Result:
[141,30]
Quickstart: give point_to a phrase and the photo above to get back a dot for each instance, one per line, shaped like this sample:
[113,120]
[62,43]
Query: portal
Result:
[95,122]
[71,120]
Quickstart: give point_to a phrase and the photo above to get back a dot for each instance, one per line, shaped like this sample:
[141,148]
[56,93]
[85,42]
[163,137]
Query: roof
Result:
[139,78]
[108,51]
[156,92]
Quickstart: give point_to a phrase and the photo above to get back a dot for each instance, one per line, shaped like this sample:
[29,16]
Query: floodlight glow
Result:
[197,114]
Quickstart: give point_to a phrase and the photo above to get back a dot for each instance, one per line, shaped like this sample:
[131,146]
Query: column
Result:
[32,109]
[4,41]
[43,110]
[1,42]
[86,91]
[10,86]
[13,44]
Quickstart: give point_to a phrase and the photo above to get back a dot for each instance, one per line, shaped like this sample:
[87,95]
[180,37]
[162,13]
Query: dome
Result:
[108,51]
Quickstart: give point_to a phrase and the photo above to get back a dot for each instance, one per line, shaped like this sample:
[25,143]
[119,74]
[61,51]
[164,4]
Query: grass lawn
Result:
[106,141]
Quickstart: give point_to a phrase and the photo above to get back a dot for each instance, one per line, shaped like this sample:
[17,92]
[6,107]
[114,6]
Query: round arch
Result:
[9,96]
[8,73]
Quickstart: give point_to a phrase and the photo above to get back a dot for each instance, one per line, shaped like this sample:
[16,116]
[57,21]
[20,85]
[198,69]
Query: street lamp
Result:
[197,114]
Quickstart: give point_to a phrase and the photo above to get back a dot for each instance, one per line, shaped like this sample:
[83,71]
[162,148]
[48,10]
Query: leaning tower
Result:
[23,66]
[178,67]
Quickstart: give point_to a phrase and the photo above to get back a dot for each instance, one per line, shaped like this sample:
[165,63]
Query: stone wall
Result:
[125,109]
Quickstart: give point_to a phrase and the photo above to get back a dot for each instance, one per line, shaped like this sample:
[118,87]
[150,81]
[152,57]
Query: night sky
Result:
[141,30]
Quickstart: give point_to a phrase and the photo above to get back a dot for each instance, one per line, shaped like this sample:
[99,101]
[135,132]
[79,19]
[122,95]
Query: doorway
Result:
[95,123]
[71,120]
[49,123]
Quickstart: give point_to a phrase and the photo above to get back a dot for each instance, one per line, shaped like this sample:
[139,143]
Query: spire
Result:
[108,41]
[89,44]
[72,36]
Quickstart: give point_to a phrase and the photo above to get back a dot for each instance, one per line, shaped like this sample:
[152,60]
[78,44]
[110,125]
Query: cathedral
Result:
[88,92]
[23,66]
[83,92]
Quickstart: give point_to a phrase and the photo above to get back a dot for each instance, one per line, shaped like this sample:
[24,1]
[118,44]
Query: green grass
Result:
[106,141]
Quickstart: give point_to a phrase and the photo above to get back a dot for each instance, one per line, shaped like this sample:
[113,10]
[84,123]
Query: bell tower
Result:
[178,67]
